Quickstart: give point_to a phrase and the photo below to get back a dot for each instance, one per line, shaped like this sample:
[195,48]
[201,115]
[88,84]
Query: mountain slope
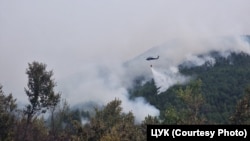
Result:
[223,83]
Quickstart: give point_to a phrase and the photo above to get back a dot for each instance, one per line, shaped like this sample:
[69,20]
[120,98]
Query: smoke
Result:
[102,83]
[108,80]
[193,61]
[98,48]
[164,79]
[187,53]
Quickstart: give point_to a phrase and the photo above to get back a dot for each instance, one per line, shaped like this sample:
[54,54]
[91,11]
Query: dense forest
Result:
[217,94]
[220,85]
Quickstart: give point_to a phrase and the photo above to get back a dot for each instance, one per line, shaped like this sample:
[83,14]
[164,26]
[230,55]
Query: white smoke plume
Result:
[87,42]
[182,52]
[192,60]
[164,79]
[101,84]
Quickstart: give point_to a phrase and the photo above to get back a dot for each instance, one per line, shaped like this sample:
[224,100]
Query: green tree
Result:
[171,116]
[40,91]
[7,116]
[67,123]
[148,120]
[111,124]
[194,100]
[242,110]
[37,130]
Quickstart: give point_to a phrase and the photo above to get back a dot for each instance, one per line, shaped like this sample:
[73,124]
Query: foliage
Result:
[193,100]
[171,116]
[110,124]
[7,116]
[242,110]
[218,94]
[222,86]
[36,130]
[40,92]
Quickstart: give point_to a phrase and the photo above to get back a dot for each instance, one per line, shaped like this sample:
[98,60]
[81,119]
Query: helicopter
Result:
[152,58]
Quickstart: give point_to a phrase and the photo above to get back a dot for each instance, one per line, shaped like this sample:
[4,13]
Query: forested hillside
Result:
[222,85]
[217,94]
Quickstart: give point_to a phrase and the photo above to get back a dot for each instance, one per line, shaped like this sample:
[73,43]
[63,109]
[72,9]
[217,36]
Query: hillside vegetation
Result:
[218,94]
[222,85]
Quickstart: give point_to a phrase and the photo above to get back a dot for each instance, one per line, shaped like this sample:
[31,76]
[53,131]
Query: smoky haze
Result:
[87,42]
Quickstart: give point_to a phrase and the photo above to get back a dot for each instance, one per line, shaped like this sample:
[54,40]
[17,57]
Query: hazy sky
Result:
[72,36]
